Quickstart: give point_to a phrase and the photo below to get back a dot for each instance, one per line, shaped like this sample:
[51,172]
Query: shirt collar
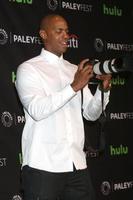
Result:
[50,57]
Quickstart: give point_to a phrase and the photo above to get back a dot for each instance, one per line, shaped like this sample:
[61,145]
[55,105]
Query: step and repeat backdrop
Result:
[100,29]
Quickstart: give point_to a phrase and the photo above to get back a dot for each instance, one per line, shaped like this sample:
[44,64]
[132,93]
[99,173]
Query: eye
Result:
[59,30]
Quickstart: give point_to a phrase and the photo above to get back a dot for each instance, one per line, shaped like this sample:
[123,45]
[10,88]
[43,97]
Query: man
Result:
[49,87]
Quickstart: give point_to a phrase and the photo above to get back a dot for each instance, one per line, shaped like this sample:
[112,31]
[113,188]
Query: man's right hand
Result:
[82,76]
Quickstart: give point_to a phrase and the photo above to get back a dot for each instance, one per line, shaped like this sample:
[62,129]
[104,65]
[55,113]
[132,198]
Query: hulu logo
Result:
[116,151]
[22,1]
[112,11]
[20,158]
[118,81]
[13,77]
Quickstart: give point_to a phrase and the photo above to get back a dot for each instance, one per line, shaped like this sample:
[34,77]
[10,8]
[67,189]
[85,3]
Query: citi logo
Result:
[114,11]
[73,41]
[22,1]
[117,151]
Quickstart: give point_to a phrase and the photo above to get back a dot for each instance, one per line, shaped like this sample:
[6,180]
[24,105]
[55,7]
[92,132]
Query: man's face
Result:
[56,36]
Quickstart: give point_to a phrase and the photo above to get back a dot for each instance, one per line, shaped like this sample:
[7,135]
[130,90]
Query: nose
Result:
[66,35]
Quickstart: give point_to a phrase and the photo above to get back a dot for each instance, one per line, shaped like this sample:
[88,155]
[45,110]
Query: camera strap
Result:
[101,120]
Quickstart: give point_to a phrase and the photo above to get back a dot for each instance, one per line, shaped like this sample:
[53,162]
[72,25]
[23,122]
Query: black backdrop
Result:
[100,29]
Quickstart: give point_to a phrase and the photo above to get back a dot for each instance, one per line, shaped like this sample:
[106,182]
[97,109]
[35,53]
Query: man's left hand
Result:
[106,80]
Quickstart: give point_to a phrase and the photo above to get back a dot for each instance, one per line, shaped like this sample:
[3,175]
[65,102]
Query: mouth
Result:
[64,43]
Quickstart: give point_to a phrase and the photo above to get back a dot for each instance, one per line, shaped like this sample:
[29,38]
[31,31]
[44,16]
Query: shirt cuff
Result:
[106,95]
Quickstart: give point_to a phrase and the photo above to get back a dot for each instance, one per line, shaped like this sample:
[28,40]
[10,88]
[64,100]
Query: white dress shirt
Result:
[53,135]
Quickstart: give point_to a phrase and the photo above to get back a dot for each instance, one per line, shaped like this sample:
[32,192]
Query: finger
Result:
[98,76]
[82,63]
[104,77]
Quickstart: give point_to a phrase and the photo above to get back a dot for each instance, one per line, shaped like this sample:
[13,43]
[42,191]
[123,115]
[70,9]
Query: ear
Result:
[43,34]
